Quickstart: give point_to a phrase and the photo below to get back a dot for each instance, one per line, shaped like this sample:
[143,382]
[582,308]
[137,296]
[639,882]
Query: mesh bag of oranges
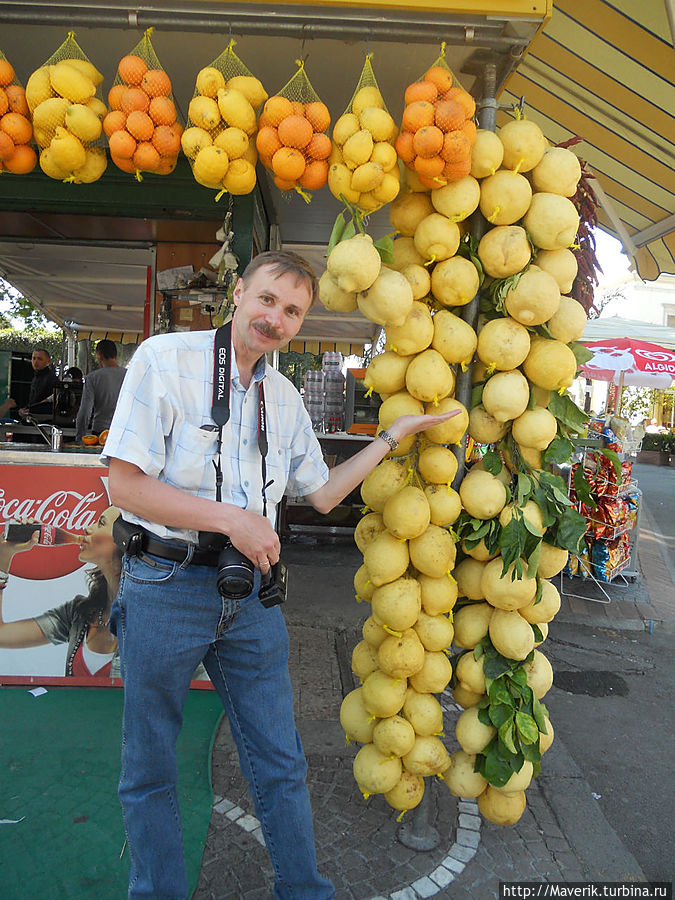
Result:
[67,110]
[292,141]
[16,132]
[363,163]
[219,139]
[437,128]
[142,126]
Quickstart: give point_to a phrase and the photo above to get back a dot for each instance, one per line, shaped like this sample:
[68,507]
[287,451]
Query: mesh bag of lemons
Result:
[292,141]
[142,126]
[17,156]
[219,139]
[437,128]
[363,161]
[67,110]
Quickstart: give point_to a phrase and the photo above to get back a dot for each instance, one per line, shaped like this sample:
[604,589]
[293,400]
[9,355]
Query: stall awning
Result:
[605,70]
[611,327]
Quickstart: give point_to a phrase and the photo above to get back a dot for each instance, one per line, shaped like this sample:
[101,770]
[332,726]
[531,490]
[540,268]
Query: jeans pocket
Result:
[148,569]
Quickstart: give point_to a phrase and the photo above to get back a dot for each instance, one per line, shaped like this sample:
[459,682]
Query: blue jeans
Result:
[168,617]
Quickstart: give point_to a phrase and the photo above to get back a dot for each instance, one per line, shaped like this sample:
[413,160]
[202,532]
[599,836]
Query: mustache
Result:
[268,331]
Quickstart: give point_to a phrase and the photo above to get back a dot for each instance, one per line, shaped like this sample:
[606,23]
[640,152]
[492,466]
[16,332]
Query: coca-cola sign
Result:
[68,497]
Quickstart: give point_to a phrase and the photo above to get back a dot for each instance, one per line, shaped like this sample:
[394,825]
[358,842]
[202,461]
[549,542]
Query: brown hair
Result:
[284,262]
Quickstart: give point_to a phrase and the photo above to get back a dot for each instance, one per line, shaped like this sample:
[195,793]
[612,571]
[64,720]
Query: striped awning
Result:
[605,70]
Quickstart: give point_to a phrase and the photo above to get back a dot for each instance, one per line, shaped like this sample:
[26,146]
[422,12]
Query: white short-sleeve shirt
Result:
[165,399]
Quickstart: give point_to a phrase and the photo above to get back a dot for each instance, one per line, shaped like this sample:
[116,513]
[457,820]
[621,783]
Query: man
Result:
[43,384]
[101,390]
[163,451]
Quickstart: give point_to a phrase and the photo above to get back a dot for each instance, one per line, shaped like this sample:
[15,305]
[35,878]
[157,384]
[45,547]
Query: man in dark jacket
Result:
[43,384]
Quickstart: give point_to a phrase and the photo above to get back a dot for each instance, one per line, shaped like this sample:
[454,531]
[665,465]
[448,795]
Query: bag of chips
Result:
[17,156]
[292,141]
[67,110]
[142,126]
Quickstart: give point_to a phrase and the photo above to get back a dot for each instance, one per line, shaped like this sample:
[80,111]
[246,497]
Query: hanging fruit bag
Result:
[219,139]
[292,140]
[16,132]
[142,126]
[364,165]
[67,110]
[437,128]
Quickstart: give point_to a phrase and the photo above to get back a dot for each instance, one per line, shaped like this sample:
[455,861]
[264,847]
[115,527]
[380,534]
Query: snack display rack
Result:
[611,541]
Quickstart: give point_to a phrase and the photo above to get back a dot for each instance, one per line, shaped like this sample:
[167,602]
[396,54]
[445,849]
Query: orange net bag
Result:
[67,111]
[437,127]
[142,126]
[17,157]
[363,162]
[292,141]
[219,140]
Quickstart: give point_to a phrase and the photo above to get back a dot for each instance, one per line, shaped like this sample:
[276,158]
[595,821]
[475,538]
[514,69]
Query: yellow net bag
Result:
[292,141]
[363,163]
[142,127]
[437,128]
[219,139]
[17,157]
[67,109]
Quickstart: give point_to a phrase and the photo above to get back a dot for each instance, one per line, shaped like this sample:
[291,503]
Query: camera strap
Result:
[220,407]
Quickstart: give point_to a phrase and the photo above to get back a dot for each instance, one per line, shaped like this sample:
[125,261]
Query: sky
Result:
[615,264]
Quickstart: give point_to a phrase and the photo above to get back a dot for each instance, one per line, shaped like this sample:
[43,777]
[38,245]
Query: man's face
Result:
[39,360]
[269,310]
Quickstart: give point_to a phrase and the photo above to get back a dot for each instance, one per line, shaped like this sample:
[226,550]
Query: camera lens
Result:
[235,574]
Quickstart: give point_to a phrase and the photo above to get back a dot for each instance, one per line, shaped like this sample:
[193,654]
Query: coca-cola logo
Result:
[65,497]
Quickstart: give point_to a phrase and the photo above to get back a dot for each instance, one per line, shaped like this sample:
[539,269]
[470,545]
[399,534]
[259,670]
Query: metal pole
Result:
[418,833]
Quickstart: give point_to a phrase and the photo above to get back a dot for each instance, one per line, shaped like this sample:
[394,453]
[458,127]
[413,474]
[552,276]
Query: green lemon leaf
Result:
[528,732]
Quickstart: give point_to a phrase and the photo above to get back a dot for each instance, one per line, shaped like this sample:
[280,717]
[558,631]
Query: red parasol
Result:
[627,361]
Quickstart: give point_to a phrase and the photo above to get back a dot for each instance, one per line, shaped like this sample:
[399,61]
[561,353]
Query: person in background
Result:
[43,384]
[6,406]
[101,390]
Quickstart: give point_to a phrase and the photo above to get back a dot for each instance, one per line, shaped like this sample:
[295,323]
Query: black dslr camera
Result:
[235,572]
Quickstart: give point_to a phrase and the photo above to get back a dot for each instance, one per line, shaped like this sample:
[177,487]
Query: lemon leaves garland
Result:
[343,230]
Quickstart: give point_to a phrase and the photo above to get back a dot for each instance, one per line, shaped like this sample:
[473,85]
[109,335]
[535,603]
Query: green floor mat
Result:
[59,766]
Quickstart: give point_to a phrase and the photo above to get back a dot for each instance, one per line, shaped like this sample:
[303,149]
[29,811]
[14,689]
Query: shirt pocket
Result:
[190,465]
[277,462]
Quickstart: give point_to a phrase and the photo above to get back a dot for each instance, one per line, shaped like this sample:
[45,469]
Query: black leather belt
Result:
[134,539]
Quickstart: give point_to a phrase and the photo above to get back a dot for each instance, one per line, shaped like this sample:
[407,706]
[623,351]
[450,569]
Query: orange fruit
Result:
[417,115]
[288,163]
[4,102]
[421,90]
[404,147]
[441,77]
[90,440]
[283,184]
[6,146]
[132,69]
[134,98]
[455,146]
[146,158]
[166,140]
[166,164]
[22,161]
[315,175]
[464,99]
[263,120]
[318,115]
[428,141]
[156,83]
[126,165]
[449,115]
[115,120]
[319,147]
[276,108]
[267,141]
[140,125]
[460,168]
[6,73]
[469,129]
[16,97]
[435,182]
[115,96]
[18,127]
[162,111]
[429,166]
[102,437]
[122,144]
[295,131]
[298,108]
